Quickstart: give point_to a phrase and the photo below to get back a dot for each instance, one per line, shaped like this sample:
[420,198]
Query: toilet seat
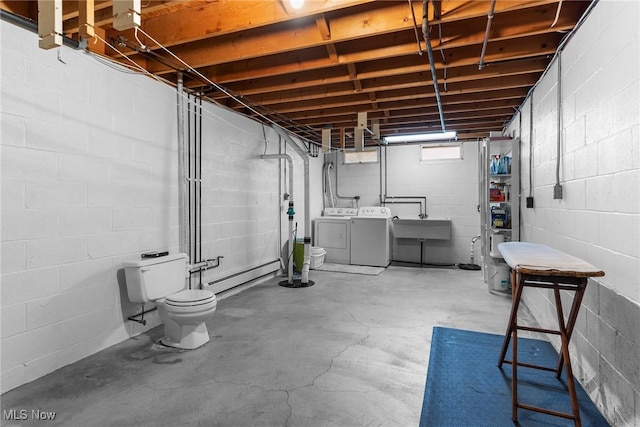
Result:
[190,298]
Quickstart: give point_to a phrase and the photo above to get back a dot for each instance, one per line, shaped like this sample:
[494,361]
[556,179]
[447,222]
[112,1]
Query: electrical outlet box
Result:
[529,202]
[557,191]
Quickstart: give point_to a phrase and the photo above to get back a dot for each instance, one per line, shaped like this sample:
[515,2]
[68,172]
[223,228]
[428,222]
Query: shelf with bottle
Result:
[500,210]
[500,216]
[499,192]
[500,165]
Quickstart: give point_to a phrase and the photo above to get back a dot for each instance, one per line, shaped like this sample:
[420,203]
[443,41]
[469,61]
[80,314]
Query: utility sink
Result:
[422,229]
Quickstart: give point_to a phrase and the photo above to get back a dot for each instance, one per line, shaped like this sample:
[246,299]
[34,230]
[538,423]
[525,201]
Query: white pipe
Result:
[291,243]
[204,265]
[182,170]
[326,183]
[307,217]
[329,183]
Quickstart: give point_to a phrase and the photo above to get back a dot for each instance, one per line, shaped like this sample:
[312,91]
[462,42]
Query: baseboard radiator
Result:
[243,277]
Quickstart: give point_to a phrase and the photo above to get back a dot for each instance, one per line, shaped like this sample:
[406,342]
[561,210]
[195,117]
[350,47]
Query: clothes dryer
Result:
[332,232]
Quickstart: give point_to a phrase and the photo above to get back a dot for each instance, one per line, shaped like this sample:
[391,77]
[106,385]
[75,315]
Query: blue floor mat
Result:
[466,388]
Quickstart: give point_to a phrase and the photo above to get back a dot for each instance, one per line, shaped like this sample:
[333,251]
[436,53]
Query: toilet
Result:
[183,311]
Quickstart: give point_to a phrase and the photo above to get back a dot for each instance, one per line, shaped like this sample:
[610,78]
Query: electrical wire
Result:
[118,66]
[142,45]
[555,21]
[444,58]
[211,82]
[135,66]
[415,28]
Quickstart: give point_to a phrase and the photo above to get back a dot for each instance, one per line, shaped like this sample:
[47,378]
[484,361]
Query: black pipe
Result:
[141,315]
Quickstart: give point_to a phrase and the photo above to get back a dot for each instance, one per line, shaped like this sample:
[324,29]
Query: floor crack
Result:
[333,358]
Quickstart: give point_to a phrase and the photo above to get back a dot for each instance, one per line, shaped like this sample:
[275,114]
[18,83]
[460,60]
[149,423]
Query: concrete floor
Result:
[352,350]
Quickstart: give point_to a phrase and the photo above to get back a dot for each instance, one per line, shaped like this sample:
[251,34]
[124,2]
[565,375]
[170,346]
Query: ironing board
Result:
[540,266]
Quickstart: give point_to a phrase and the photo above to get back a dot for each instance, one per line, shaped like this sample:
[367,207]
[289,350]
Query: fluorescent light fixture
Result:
[296,4]
[420,137]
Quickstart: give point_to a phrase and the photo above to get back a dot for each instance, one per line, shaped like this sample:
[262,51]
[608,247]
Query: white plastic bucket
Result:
[495,239]
[316,257]
[500,278]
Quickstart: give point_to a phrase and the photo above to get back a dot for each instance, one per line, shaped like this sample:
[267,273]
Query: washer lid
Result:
[189,297]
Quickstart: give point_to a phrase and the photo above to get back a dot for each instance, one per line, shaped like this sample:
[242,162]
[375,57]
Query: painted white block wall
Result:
[244,212]
[83,188]
[89,180]
[598,218]
[450,186]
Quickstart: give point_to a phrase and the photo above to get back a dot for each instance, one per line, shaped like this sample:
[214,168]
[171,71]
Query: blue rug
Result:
[466,388]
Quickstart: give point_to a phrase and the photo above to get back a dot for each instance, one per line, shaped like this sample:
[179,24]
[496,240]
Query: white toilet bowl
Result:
[184,315]
[161,280]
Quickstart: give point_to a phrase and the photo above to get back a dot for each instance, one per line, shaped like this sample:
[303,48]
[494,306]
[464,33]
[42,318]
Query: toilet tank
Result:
[155,278]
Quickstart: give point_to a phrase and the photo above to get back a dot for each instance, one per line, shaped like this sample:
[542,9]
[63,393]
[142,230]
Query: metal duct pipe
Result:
[32,26]
[486,34]
[425,33]
[290,212]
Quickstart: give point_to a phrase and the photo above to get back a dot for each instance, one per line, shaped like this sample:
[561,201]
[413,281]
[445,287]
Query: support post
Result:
[87,20]
[326,140]
[49,23]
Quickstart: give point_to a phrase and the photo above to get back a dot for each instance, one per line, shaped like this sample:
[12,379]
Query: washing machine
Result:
[332,232]
[371,237]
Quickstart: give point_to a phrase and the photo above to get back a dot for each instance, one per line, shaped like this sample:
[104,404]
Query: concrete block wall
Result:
[90,179]
[244,213]
[238,189]
[598,218]
[451,189]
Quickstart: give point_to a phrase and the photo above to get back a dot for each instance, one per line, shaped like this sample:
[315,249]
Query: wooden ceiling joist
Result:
[332,59]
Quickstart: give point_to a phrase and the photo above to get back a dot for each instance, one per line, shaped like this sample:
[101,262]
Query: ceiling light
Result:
[296,4]
[420,137]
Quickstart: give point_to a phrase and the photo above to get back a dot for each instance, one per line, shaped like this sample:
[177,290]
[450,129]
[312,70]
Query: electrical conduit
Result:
[486,34]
